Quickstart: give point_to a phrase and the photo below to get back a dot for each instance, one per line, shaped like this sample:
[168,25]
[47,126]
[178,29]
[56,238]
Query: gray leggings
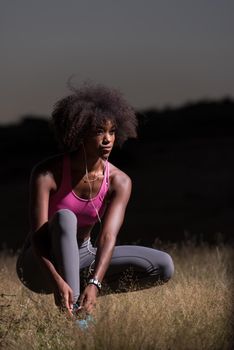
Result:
[72,261]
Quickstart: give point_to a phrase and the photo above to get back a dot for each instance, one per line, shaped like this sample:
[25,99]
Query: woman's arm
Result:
[40,187]
[114,216]
[41,183]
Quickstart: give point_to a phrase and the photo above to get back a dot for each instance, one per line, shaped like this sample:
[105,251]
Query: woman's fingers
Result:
[84,303]
[67,301]
[89,308]
[64,300]
[88,299]
[89,305]
[70,300]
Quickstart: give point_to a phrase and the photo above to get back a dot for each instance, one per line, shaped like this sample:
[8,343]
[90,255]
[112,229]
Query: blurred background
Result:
[173,61]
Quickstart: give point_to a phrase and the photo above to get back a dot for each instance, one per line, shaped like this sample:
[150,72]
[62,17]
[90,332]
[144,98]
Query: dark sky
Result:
[157,53]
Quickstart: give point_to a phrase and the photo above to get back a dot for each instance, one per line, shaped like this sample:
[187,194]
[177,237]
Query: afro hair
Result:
[89,107]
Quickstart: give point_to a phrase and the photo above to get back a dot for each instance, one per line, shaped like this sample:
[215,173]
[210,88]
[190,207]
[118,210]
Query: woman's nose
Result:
[106,138]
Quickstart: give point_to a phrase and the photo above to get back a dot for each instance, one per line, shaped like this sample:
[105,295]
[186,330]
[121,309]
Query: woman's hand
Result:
[88,298]
[63,296]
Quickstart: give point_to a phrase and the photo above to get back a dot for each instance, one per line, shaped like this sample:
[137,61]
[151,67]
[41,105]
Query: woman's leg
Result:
[30,272]
[64,248]
[64,255]
[146,266]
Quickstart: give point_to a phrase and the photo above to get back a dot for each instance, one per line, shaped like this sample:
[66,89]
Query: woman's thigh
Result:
[143,262]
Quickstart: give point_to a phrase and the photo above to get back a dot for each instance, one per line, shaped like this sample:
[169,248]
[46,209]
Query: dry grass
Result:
[192,311]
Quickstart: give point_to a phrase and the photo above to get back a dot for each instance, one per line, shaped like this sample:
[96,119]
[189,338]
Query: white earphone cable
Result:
[90,187]
[98,216]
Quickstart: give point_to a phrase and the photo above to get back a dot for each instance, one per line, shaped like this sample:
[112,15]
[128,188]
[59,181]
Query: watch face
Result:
[96,282]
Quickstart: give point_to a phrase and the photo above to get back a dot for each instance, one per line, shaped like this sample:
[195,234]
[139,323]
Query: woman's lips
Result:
[106,149]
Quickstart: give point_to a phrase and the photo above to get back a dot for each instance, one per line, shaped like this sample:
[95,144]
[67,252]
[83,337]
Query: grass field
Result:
[192,311]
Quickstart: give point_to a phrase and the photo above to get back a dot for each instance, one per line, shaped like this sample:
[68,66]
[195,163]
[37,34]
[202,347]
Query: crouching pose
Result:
[72,191]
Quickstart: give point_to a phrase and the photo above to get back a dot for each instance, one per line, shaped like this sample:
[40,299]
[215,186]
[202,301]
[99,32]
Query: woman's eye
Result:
[99,131]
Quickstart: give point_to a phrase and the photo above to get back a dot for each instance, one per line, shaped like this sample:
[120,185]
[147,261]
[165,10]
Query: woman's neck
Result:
[82,160]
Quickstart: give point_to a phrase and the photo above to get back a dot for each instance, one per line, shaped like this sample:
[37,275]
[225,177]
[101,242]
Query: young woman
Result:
[72,191]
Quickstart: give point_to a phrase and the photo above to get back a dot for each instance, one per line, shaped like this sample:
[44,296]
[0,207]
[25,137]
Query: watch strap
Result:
[96,282]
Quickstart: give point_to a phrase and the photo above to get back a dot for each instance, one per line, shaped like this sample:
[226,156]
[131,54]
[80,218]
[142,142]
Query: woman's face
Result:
[100,141]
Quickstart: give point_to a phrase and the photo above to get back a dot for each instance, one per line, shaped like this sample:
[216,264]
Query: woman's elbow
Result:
[107,238]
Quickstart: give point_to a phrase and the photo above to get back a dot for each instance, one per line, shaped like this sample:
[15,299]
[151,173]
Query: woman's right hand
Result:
[63,296]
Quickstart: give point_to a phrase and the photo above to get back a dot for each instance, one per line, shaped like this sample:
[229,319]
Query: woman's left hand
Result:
[88,298]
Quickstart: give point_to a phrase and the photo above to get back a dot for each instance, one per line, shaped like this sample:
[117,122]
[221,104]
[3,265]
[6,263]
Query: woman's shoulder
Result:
[118,178]
[49,164]
[47,173]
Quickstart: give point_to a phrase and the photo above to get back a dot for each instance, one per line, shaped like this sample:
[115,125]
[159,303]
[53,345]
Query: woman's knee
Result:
[65,220]
[167,267]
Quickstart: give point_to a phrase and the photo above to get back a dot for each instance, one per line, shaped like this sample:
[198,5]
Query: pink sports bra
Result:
[65,198]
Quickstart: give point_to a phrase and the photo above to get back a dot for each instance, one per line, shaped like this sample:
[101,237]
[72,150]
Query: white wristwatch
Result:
[95,282]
